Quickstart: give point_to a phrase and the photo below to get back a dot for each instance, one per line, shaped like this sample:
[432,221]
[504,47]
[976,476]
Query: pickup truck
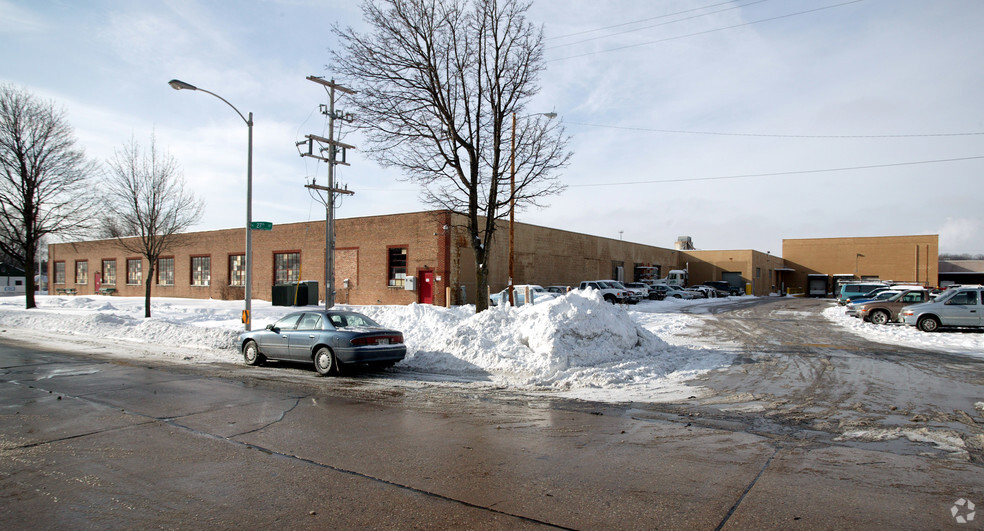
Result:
[611,293]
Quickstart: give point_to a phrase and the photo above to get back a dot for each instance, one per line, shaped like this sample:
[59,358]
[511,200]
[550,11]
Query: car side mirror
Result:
[271,327]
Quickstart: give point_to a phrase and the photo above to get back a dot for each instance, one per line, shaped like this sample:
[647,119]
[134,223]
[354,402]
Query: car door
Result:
[962,309]
[274,343]
[301,341]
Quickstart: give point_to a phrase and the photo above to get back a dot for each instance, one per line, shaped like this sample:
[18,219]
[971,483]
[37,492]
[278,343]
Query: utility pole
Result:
[333,148]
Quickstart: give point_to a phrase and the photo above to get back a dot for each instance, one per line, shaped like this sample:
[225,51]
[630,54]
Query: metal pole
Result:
[249,226]
[512,208]
[330,205]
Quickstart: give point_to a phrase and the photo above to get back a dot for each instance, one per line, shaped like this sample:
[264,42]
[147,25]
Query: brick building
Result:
[424,257]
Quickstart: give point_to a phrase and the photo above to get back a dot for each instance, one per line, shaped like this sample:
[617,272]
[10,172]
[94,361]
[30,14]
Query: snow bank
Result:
[577,345]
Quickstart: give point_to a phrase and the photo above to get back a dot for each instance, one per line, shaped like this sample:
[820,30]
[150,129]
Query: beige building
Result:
[818,263]
[425,257]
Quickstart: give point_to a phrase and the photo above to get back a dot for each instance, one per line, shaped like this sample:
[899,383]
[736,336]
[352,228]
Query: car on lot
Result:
[657,292]
[537,294]
[854,289]
[559,290]
[330,340]
[887,310]
[723,288]
[864,297]
[631,296]
[959,307]
[640,288]
[705,292]
[673,292]
[851,308]
[611,293]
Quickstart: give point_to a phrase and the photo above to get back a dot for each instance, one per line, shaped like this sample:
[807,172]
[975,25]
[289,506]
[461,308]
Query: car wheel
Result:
[879,317]
[325,362]
[610,299]
[928,324]
[251,354]
[677,296]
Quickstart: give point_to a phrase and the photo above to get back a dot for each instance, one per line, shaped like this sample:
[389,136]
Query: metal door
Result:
[427,287]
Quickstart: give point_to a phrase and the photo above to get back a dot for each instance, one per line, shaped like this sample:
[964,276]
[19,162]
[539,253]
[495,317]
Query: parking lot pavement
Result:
[86,443]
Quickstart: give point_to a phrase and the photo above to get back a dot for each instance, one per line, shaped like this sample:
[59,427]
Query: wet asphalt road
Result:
[87,442]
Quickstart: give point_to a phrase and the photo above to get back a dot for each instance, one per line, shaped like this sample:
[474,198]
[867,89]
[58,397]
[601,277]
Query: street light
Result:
[247,317]
[512,198]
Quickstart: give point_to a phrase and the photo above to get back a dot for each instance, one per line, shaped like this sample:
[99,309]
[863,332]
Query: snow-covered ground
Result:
[576,346]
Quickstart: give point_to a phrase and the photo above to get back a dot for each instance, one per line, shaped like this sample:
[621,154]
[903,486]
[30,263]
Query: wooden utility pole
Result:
[333,148]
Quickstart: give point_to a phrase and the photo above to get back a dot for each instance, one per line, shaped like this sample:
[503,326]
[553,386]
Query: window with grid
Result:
[397,266]
[109,272]
[165,271]
[134,271]
[286,267]
[237,270]
[201,270]
[59,272]
[82,272]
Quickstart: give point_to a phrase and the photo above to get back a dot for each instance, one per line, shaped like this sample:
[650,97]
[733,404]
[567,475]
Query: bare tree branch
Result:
[147,205]
[45,181]
[438,82]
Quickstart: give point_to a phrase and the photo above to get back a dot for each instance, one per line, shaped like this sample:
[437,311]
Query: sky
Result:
[738,123]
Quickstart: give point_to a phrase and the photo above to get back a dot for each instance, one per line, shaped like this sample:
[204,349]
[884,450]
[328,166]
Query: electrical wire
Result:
[637,21]
[776,174]
[774,135]
[705,32]
[654,25]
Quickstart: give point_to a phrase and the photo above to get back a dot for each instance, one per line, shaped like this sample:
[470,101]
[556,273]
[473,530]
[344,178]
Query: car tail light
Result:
[395,339]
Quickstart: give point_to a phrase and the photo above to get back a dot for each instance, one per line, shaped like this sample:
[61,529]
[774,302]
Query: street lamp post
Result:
[247,316]
[512,200]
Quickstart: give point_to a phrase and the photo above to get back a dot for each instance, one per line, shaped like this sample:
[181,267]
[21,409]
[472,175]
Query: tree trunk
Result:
[148,283]
[481,280]
[29,278]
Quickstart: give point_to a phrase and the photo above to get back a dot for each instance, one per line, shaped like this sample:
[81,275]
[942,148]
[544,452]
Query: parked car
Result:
[657,292]
[853,289]
[639,288]
[887,310]
[723,288]
[705,292]
[537,294]
[559,290]
[631,296]
[851,308]
[611,293]
[678,293]
[960,307]
[329,339]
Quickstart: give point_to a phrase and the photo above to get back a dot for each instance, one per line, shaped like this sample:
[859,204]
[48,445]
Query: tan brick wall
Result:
[898,258]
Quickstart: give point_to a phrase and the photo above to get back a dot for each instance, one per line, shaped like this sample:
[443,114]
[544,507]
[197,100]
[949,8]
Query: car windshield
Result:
[351,320]
[617,285]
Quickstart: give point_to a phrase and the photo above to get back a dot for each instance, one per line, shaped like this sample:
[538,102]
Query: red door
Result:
[427,287]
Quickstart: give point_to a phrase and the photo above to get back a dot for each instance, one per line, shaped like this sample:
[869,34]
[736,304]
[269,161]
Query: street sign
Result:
[261,225]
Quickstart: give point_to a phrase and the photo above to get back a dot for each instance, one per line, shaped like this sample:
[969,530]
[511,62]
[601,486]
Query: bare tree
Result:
[147,205]
[439,83]
[45,182]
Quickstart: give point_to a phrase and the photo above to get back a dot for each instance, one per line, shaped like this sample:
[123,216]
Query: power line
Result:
[706,31]
[635,21]
[776,174]
[774,135]
[733,7]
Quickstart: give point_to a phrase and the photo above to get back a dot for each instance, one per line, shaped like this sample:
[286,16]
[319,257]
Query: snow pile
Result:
[577,345]
[574,341]
[968,342]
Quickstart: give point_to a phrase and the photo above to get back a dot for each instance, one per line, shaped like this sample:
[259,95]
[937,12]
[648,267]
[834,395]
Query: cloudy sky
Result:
[736,123]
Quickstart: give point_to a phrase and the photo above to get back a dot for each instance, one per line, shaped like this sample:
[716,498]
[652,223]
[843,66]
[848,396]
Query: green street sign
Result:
[261,225]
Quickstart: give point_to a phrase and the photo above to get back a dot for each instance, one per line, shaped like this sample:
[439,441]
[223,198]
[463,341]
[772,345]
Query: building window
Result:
[165,271]
[109,272]
[758,272]
[82,272]
[59,272]
[201,270]
[134,271]
[397,266]
[237,270]
[286,267]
